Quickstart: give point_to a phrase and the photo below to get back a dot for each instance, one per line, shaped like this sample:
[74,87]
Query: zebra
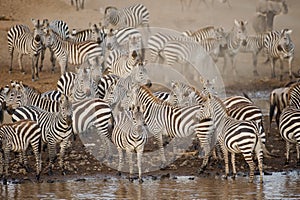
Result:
[162,118]
[62,29]
[130,134]
[25,43]
[122,65]
[80,85]
[279,45]
[132,16]
[94,33]
[203,33]
[221,117]
[158,41]
[235,39]
[73,53]
[56,127]
[17,137]
[254,45]
[289,130]
[104,83]
[52,95]
[279,99]
[22,94]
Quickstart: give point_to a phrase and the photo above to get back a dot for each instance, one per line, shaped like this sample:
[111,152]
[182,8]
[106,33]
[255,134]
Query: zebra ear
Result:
[236,22]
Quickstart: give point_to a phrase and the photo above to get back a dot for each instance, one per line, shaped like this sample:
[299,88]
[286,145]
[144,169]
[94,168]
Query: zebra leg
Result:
[290,67]
[52,156]
[287,153]
[120,166]
[42,56]
[34,69]
[248,159]
[225,155]
[38,161]
[281,70]
[233,165]
[139,164]
[53,60]
[254,58]
[129,157]
[259,155]
[24,161]
[6,165]
[63,146]
[162,151]
[20,63]
[298,153]
[11,61]
[272,67]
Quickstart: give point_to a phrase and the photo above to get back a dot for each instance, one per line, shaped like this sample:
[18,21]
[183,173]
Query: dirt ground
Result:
[166,14]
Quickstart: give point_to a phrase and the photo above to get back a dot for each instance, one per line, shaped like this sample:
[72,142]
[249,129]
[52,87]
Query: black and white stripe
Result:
[94,33]
[130,134]
[17,137]
[279,99]
[279,45]
[132,16]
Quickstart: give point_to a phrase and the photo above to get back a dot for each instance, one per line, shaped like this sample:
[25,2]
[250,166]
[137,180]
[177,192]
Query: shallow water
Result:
[275,186]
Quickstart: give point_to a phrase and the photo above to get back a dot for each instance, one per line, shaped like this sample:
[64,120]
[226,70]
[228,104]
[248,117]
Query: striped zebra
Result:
[105,82]
[202,33]
[62,29]
[235,39]
[17,137]
[132,16]
[94,33]
[164,119]
[279,99]
[122,65]
[158,41]
[220,118]
[254,45]
[130,134]
[56,127]
[289,130]
[73,53]
[25,43]
[22,95]
[52,95]
[279,45]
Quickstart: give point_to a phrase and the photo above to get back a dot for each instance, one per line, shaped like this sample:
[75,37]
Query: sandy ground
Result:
[166,14]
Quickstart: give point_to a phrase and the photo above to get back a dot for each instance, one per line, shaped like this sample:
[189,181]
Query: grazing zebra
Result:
[279,45]
[235,39]
[254,44]
[94,33]
[279,99]
[73,53]
[25,43]
[130,134]
[56,127]
[78,3]
[132,16]
[164,119]
[62,29]
[17,137]
[122,65]
[22,95]
[289,130]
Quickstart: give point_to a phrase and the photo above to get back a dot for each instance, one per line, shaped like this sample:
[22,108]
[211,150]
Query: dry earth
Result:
[166,14]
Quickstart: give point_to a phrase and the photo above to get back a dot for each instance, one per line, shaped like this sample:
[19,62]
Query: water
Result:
[275,186]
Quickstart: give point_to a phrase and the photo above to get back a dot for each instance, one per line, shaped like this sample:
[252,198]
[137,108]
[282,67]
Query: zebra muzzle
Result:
[69,120]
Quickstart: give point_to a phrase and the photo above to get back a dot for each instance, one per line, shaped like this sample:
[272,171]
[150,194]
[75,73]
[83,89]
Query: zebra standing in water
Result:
[279,45]
[56,127]
[235,136]
[289,122]
[25,43]
[62,29]
[18,137]
[129,134]
[132,16]
[73,53]
[163,119]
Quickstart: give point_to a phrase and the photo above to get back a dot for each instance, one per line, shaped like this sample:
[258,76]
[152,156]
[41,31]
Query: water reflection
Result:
[276,186]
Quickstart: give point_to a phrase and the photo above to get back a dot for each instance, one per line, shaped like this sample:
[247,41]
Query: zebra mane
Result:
[145,89]
[32,89]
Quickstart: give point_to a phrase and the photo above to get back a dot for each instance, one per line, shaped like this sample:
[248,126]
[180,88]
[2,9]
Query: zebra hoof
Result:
[23,72]
[50,172]
[5,181]
[298,163]
[201,170]
[286,163]
[9,71]
[64,172]
[38,177]
[119,174]
[141,180]
[233,176]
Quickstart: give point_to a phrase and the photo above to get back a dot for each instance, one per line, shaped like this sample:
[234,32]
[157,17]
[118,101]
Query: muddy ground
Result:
[166,14]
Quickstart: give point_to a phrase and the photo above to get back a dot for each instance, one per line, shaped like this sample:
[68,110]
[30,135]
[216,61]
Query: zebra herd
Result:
[111,88]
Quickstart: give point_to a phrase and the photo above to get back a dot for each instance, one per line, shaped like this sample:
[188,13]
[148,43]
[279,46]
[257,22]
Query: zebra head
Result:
[285,43]
[16,96]
[139,74]
[240,32]
[111,40]
[66,109]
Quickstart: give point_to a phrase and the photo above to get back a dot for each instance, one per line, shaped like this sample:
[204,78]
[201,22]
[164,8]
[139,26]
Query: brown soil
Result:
[166,14]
